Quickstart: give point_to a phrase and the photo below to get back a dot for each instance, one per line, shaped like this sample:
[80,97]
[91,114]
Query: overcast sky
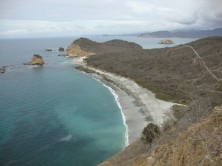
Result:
[28,18]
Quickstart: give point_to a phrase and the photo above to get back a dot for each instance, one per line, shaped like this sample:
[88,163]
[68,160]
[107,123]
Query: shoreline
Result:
[138,105]
[116,97]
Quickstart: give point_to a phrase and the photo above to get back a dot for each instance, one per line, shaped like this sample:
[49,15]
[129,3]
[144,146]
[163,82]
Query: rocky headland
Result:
[36,60]
[86,47]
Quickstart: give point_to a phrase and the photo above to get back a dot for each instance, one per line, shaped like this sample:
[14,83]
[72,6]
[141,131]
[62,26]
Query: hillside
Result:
[86,47]
[170,72]
[200,144]
[185,34]
[175,74]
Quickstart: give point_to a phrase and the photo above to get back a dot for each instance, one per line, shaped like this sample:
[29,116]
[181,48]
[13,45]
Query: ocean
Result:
[56,115]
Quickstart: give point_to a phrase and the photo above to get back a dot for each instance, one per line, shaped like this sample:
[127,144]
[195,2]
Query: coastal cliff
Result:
[189,74]
[86,47]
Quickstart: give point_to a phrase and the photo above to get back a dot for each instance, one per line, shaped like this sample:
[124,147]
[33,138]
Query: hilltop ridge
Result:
[87,47]
[183,33]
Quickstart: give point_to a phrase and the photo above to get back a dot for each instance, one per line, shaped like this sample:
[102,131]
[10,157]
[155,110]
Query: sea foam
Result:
[121,110]
[118,104]
[66,138]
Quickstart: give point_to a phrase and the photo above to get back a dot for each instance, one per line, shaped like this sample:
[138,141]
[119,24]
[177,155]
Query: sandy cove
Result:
[139,105]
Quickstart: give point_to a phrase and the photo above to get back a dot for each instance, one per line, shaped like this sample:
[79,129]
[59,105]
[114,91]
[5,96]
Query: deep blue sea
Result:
[56,115]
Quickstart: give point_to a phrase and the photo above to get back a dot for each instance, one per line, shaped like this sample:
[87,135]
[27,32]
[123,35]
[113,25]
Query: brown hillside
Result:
[201,144]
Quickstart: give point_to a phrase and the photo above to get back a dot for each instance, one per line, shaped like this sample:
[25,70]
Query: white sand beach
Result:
[139,105]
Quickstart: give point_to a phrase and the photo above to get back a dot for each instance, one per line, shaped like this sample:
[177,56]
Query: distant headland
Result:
[183,33]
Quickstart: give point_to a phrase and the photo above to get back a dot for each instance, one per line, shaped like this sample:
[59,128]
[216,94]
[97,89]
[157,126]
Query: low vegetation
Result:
[150,133]
[189,74]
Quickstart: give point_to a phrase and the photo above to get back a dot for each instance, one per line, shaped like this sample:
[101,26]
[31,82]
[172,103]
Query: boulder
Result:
[3,69]
[166,42]
[36,60]
[61,49]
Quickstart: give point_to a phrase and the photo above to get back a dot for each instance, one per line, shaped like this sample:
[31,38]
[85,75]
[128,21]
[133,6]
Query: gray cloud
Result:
[106,16]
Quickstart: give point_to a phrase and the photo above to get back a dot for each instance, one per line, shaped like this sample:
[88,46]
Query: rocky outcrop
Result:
[3,69]
[36,60]
[61,49]
[75,50]
[166,42]
[86,47]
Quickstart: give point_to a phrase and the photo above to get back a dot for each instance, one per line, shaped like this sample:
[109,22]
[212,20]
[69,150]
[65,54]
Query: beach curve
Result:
[138,105]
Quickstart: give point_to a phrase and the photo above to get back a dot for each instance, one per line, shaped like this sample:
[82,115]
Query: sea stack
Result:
[61,49]
[3,69]
[166,42]
[36,60]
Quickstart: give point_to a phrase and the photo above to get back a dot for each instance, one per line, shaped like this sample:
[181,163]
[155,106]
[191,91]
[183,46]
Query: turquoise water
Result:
[55,115]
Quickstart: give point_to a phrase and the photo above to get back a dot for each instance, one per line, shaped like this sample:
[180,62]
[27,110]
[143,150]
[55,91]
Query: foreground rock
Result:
[36,60]
[3,69]
[166,42]
[86,47]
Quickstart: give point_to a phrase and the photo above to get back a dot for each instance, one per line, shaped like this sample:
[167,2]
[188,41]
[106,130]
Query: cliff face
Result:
[75,50]
[199,145]
[86,47]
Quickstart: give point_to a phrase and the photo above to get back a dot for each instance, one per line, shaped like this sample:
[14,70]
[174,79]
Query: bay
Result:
[55,115]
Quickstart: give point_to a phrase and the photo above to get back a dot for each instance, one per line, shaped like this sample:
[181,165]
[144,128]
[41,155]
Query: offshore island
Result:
[178,88]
